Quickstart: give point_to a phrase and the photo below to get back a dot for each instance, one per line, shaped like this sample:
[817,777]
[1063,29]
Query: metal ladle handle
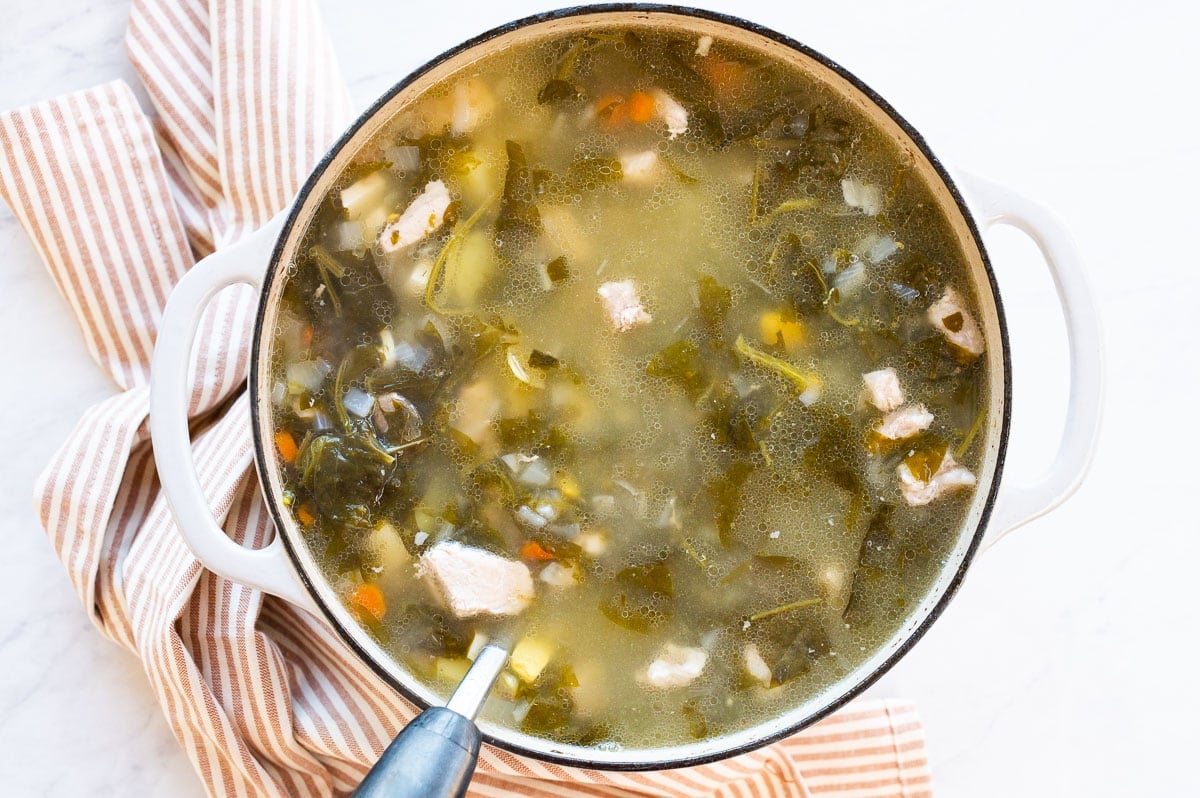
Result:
[434,756]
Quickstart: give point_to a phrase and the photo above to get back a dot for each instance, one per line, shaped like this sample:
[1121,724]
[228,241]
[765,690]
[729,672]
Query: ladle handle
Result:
[433,757]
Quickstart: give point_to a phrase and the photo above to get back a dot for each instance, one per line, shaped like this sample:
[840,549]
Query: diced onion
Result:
[876,248]
[307,374]
[529,517]
[403,159]
[850,280]
[861,195]
[345,236]
[536,473]
[358,402]
[411,356]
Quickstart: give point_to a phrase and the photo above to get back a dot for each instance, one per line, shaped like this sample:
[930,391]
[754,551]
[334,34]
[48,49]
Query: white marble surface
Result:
[1066,664]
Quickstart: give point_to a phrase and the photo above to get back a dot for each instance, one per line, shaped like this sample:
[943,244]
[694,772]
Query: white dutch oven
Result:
[287,569]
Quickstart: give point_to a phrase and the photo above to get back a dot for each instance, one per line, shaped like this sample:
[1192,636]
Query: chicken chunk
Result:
[475,582]
[756,666]
[677,666]
[673,115]
[558,575]
[638,167]
[422,217]
[950,317]
[883,389]
[621,303]
[904,422]
[950,476]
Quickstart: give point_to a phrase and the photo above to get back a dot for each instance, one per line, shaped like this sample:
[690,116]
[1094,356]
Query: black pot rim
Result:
[684,11]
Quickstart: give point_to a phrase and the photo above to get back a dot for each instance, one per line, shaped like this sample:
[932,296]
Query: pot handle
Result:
[1017,505]
[269,568]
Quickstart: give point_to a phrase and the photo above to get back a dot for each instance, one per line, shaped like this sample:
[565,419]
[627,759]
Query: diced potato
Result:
[469,272]
[507,685]
[365,194]
[567,485]
[835,582]
[451,671]
[471,102]
[773,328]
[477,407]
[530,657]
[385,541]
[593,543]
[482,180]
[756,666]
[591,696]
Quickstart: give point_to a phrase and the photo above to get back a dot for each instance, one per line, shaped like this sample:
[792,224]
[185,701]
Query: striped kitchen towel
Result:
[264,698]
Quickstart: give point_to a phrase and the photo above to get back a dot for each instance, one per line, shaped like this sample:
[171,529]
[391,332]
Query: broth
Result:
[647,352]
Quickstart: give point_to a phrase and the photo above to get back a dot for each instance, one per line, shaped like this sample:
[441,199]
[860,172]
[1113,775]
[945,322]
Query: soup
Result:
[646,355]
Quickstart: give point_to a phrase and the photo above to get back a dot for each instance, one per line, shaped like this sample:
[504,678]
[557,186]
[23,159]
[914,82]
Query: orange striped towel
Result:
[263,697]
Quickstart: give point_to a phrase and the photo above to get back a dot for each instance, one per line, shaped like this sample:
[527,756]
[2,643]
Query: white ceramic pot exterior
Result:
[284,568]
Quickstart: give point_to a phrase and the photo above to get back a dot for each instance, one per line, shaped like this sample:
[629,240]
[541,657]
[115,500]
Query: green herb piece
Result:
[976,425]
[681,363]
[329,269]
[673,168]
[433,631]
[714,301]
[725,495]
[920,274]
[793,205]
[518,223]
[693,716]
[549,714]
[585,174]
[343,476]
[557,269]
[833,303]
[540,360]
[641,598]
[452,245]
[556,91]
[799,656]
[551,706]
[795,605]
[925,462]
[798,378]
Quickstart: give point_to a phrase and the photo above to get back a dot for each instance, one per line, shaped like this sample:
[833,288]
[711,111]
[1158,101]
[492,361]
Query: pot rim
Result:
[951,585]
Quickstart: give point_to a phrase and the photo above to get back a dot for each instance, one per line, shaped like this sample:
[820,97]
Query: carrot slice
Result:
[611,110]
[286,445]
[532,550]
[640,107]
[307,335]
[370,598]
[726,77]
[305,516]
